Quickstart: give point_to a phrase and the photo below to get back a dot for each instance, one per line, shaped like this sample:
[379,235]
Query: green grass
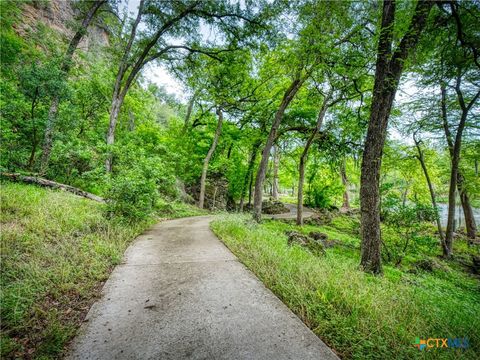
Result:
[359,315]
[56,251]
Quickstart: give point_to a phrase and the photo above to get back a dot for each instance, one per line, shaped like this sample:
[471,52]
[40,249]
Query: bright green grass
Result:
[359,315]
[56,250]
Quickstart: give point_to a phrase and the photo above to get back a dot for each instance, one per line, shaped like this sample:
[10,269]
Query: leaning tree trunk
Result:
[470,224]
[454,175]
[343,174]
[303,159]
[250,190]
[421,158]
[447,251]
[262,169]
[51,184]
[389,68]
[144,57]
[467,208]
[66,64]
[114,112]
[276,161]
[248,175]
[186,122]
[203,178]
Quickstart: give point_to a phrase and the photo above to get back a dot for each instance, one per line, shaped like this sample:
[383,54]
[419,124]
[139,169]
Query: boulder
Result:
[274,207]
[323,238]
[216,192]
[428,265]
[322,217]
[314,246]
[318,235]
[331,243]
[182,193]
[295,237]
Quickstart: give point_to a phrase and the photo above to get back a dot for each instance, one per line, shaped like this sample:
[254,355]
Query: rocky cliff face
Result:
[59,15]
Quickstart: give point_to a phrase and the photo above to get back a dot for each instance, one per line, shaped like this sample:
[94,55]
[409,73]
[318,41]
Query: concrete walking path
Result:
[292,214]
[181,294]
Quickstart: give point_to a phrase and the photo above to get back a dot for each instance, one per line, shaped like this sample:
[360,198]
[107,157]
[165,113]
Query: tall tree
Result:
[421,159]
[165,21]
[456,178]
[65,68]
[389,68]
[303,157]
[276,164]
[206,161]
[249,173]
[288,96]
[343,175]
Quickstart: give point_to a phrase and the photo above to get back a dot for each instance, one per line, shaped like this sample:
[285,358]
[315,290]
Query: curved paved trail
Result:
[181,294]
[292,214]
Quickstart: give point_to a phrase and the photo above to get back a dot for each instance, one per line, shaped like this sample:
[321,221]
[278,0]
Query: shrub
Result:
[135,188]
[322,197]
[406,221]
[131,196]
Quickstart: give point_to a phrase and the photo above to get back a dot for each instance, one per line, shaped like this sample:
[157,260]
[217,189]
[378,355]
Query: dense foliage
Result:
[334,105]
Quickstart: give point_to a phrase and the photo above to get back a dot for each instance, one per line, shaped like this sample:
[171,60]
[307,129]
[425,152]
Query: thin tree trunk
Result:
[470,224]
[117,99]
[66,65]
[203,178]
[114,112]
[120,90]
[464,199]
[131,120]
[31,160]
[421,158]
[262,169]
[389,68]
[447,251]
[276,161]
[405,193]
[189,112]
[455,161]
[303,158]
[250,188]
[248,175]
[343,174]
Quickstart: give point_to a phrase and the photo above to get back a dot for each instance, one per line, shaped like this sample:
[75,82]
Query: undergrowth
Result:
[56,251]
[359,315]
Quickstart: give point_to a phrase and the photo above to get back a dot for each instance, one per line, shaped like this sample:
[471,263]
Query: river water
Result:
[459,218]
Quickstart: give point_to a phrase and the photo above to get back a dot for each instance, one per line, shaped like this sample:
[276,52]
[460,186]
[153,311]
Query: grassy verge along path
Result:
[360,316]
[56,251]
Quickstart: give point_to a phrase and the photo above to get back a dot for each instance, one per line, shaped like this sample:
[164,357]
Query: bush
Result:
[322,197]
[131,196]
[406,221]
[426,212]
[135,188]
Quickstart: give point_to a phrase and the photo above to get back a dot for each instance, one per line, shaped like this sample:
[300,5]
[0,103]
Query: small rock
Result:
[321,217]
[295,237]
[274,207]
[331,243]
[427,265]
[318,235]
[315,246]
